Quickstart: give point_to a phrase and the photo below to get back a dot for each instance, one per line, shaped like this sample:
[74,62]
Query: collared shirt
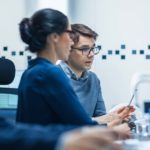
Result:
[71,74]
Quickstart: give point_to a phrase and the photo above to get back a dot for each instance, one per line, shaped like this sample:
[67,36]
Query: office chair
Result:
[7,74]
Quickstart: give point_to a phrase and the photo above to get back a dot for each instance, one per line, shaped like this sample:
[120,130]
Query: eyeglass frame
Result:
[88,49]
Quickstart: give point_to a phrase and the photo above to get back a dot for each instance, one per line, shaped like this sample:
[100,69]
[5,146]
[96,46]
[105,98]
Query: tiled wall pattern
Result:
[121,53]
[5,52]
[21,57]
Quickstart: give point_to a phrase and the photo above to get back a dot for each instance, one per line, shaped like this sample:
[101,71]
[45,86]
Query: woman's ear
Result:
[54,37]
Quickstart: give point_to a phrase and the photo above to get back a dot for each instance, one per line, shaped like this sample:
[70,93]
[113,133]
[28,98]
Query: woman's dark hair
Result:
[81,29]
[35,30]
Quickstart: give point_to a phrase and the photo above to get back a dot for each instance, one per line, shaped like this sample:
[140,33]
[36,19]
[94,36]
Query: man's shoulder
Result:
[93,74]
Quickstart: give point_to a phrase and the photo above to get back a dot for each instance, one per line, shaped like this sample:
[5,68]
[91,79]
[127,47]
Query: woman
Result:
[45,95]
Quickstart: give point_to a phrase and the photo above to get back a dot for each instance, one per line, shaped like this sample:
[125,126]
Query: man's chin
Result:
[87,67]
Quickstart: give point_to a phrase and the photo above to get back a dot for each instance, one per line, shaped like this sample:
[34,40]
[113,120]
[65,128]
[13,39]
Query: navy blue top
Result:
[46,96]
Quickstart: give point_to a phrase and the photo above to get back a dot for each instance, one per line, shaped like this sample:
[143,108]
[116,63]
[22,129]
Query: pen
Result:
[131,98]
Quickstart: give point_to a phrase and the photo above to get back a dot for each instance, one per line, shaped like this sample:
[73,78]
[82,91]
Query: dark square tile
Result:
[147,56]
[123,57]
[104,57]
[148,46]
[99,46]
[123,46]
[117,52]
[134,52]
[110,52]
[21,53]
[5,48]
[13,53]
[141,52]
[29,58]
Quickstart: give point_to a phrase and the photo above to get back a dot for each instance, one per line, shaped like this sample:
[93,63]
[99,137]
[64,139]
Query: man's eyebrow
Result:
[86,46]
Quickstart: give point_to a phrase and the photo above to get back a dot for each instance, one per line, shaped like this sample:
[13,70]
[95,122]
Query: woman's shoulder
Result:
[54,70]
[55,73]
[45,70]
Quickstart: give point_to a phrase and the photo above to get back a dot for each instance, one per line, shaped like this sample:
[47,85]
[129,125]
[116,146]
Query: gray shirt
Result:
[88,90]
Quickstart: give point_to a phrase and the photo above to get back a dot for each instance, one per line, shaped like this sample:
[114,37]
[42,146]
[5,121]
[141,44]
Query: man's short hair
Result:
[81,29]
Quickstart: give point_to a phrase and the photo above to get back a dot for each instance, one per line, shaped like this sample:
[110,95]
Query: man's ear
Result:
[54,37]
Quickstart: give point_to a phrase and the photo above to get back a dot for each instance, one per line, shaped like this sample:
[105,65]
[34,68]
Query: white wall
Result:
[55,4]
[33,5]
[11,12]
[117,22]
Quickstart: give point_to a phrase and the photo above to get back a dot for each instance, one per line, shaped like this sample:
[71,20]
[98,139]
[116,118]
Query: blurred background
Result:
[124,35]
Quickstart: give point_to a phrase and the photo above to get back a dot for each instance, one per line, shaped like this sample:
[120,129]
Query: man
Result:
[85,83]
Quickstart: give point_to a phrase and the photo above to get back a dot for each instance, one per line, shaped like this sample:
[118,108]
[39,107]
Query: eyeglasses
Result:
[87,50]
[71,33]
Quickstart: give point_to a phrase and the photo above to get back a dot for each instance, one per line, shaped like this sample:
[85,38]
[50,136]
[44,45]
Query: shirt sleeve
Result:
[100,108]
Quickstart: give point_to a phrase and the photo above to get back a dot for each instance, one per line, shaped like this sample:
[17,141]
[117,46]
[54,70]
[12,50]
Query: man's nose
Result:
[91,53]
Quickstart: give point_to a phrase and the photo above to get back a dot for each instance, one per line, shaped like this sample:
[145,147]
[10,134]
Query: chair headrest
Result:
[7,71]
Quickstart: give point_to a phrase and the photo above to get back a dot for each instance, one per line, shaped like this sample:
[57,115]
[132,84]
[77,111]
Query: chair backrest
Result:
[7,74]
[7,71]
